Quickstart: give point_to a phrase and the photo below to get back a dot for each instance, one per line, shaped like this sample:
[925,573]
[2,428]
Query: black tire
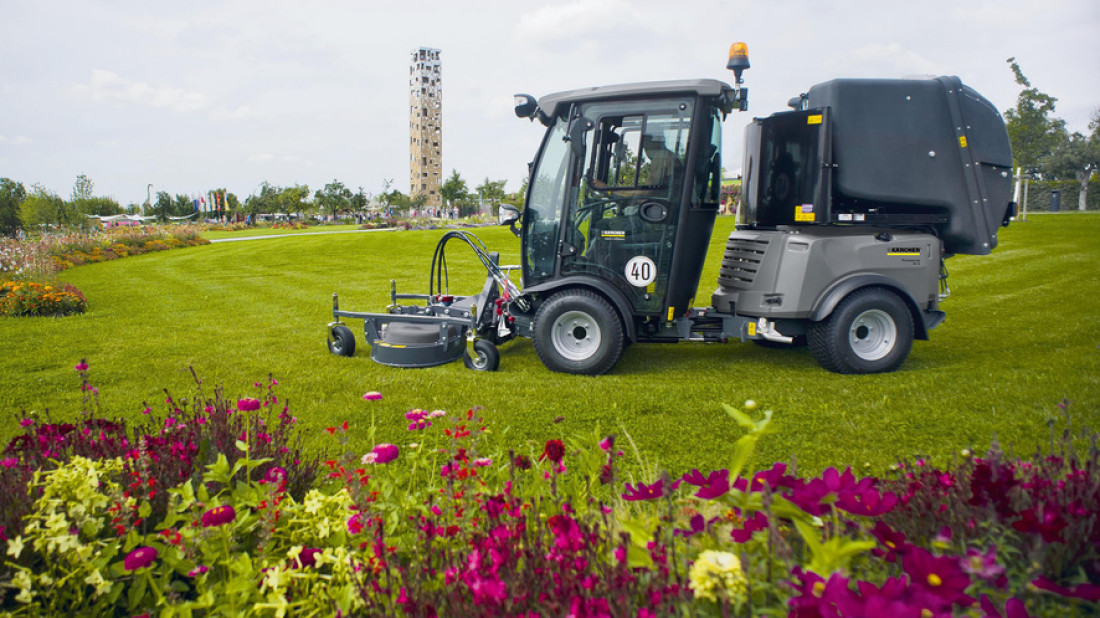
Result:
[487,357]
[798,341]
[342,342]
[578,331]
[870,331]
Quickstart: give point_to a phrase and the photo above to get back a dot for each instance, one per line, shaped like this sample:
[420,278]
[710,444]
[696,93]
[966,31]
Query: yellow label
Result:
[962,141]
[671,312]
[651,288]
[752,329]
[390,345]
[815,119]
[801,213]
[917,253]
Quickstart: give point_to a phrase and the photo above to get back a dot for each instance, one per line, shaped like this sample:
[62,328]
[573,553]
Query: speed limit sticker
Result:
[641,271]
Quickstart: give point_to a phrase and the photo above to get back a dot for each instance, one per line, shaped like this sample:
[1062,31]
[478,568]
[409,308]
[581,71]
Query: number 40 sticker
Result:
[641,271]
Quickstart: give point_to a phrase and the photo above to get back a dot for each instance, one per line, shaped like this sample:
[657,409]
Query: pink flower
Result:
[941,577]
[275,475]
[9,462]
[419,420]
[139,558]
[81,366]
[248,404]
[147,410]
[385,453]
[758,521]
[481,462]
[1085,592]
[199,570]
[1014,608]
[607,443]
[218,516]
[372,396]
[644,492]
[26,422]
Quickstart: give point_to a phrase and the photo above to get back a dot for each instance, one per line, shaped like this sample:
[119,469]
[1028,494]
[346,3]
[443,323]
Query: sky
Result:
[193,96]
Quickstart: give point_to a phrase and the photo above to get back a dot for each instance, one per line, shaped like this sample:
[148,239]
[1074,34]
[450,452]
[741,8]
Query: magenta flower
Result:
[385,453]
[482,462]
[983,565]
[26,422]
[893,541]
[275,475]
[554,451]
[248,404]
[355,524]
[758,521]
[372,396]
[868,502]
[308,557]
[1014,608]
[697,524]
[1085,592]
[1050,526]
[607,443]
[818,597]
[139,558]
[199,570]
[81,366]
[9,462]
[712,486]
[644,492]
[218,516]
[419,419]
[941,577]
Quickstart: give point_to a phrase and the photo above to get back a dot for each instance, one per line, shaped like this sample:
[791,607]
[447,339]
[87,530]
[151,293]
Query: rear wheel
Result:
[870,331]
[577,331]
[342,341]
[486,357]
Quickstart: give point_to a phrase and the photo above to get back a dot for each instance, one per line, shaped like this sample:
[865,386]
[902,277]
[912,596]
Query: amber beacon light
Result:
[738,60]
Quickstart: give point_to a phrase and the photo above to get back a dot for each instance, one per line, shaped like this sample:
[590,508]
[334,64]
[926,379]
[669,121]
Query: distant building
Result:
[426,125]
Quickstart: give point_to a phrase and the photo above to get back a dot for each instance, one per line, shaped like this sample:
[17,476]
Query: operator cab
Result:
[626,182]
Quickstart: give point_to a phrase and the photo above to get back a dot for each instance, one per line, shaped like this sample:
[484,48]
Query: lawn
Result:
[1022,333]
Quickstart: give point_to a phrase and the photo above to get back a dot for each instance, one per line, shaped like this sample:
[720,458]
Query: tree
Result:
[360,200]
[11,198]
[1033,133]
[333,198]
[453,189]
[293,199]
[1077,157]
[43,207]
[162,208]
[266,202]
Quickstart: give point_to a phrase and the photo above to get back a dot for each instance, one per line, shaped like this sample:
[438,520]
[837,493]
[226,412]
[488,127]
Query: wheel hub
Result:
[873,334]
[575,335]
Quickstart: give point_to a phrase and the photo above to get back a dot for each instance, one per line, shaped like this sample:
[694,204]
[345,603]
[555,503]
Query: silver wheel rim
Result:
[576,335]
[872,335]
[480,361]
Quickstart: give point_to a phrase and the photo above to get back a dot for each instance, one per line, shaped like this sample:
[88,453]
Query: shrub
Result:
[32,298]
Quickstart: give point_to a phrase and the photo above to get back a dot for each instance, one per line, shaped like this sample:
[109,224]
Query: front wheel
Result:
[578,331]
[342,342]
[486,357]
[870,331]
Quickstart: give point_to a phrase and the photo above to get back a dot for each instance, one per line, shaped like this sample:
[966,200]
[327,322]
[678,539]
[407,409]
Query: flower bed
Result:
[210,505]
[26,298]
[28,269]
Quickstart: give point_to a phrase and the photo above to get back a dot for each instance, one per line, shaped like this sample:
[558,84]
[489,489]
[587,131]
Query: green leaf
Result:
[742,419]
[742,453]
[637,553]
[242,446]
[145,509]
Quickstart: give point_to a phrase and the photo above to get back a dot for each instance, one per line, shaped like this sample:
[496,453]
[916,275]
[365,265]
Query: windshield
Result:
[543,211]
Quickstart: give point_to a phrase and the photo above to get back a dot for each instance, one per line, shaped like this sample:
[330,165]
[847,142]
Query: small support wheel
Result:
[870,331]
[342,341]
[486,357]
[578,331]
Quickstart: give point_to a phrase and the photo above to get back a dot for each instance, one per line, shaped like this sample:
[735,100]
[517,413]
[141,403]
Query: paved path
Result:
[261,237]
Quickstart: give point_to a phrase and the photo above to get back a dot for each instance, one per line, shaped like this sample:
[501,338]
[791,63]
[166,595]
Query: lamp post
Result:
[148,198]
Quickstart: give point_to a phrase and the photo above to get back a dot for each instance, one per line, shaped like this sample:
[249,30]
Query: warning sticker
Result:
[814,119]
[962,141]
[640,271]
[804,212]
[613,234]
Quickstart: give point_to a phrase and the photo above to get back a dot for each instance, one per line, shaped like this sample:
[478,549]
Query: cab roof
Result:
[549,104]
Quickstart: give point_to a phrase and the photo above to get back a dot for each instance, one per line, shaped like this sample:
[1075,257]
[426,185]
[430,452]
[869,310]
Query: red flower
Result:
[1050,527]
[307,558]
[218,516]
[523,462]
[139,558]
[554,451]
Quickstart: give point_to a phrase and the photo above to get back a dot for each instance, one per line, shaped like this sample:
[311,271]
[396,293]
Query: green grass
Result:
[1022,332]
[271,231]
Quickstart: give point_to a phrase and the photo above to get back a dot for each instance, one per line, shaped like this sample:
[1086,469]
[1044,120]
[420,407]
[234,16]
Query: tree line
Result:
[39,207]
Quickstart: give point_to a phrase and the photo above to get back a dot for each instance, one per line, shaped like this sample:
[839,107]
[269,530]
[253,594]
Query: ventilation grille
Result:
[741,261]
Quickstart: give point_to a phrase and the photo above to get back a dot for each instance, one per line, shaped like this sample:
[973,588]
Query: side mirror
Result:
[509,215]
[526,106]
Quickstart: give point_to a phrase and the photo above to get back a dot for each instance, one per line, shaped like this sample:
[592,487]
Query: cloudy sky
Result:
[196,95]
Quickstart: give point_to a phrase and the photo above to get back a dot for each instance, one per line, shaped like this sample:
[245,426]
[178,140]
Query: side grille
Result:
[741,261]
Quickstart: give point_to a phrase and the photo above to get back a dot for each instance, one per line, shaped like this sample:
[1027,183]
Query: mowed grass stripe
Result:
[1022,332]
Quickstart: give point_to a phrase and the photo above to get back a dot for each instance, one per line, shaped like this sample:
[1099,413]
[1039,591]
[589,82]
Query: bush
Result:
[32,298]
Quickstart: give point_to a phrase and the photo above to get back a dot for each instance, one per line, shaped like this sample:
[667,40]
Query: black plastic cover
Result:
[904,152]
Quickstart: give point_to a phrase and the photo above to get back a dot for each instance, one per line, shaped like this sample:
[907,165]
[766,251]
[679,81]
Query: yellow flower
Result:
[15,547]
[718,573]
